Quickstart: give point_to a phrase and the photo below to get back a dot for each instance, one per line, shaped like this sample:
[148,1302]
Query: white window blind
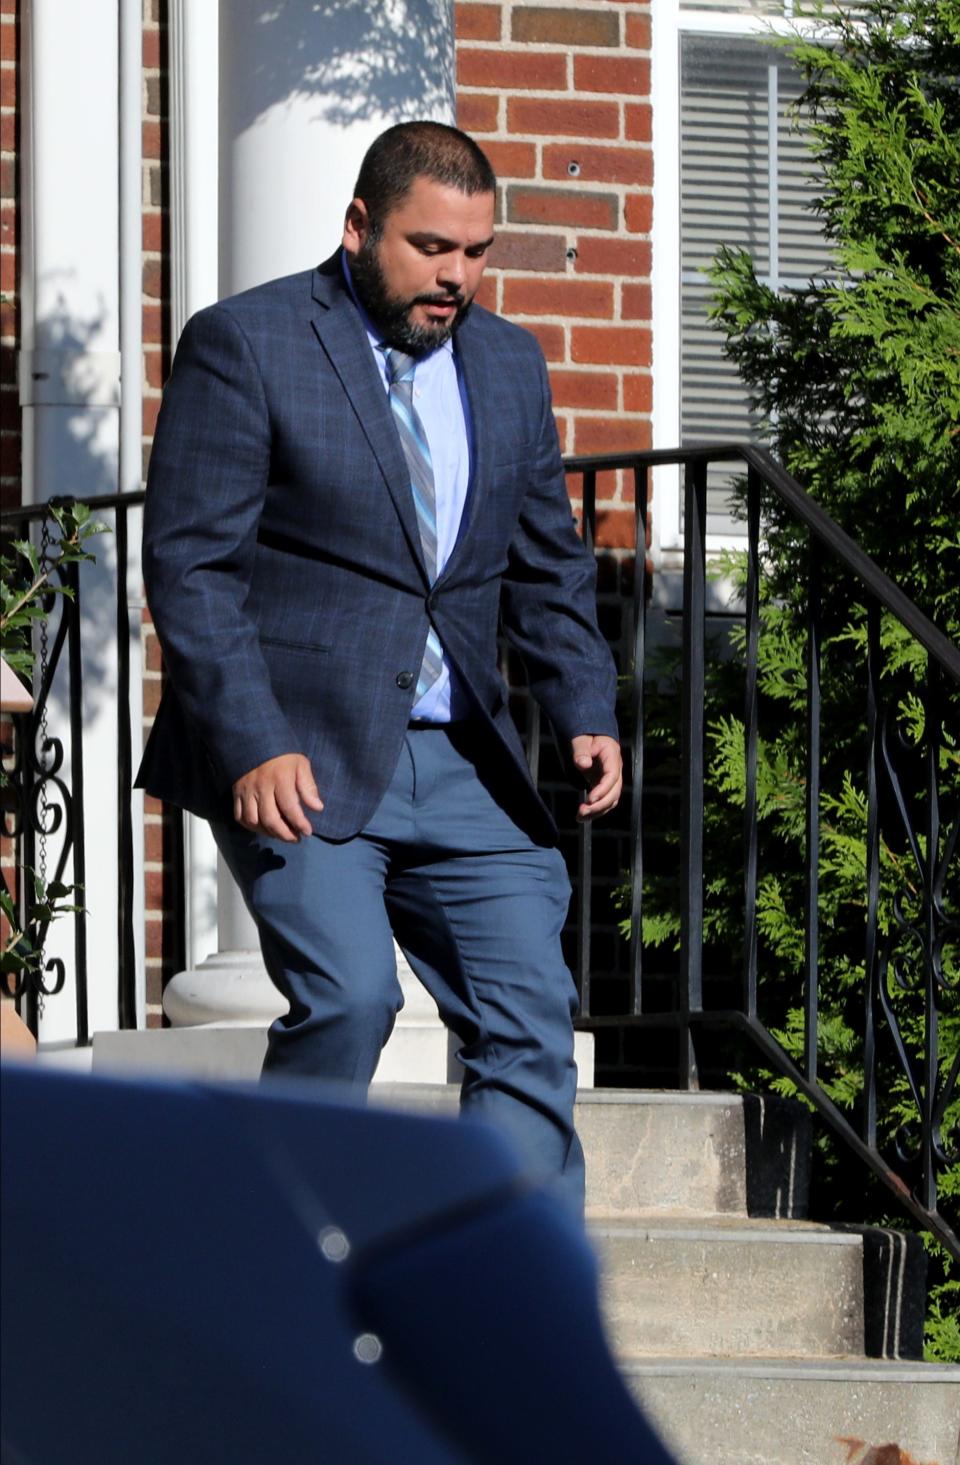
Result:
[746,7]
[746,180]
[777,9]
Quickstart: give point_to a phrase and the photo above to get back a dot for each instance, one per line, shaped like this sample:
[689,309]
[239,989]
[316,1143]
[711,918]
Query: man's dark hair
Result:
[412,150]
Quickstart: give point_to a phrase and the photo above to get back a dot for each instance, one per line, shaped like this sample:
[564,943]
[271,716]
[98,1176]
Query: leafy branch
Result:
[22,949]
[26,597]
[23,595]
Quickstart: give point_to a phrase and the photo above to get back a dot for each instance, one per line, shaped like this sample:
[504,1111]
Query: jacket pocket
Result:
[305,648]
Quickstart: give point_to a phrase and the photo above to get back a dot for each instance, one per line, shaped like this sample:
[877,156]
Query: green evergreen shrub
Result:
[857,380]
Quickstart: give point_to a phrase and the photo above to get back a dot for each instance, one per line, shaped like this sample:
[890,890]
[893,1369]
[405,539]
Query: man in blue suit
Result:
[355,478]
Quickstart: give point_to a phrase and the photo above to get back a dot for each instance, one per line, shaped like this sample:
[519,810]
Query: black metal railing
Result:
[50,809]
[901,814]
[690,1000]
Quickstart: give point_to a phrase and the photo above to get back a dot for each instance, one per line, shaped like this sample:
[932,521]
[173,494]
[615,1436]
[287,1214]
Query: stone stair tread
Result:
[600,1216]
[798,1411]
[592,1096]
[776,1365]
[698,1099]
[722,1226]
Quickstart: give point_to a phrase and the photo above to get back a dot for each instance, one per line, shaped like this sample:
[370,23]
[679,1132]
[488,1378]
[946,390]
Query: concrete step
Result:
[731,1287]
[709,1153]
[235,1053]
[420,1053]
[659,1151]
[646,1151]
[801,1412]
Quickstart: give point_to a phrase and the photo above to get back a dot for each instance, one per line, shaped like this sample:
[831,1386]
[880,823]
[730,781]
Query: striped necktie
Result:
[416,450]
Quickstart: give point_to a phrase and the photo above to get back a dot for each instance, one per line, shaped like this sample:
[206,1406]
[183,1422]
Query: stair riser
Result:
[664,1157]
[697,1153]
[743,1296]
[728,1420]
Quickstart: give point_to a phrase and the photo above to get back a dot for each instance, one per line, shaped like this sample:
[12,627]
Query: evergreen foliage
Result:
[861,372]
[857,380]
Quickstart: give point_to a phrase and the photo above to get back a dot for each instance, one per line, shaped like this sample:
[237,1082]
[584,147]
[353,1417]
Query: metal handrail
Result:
[36,513]
[808,512]
[690,1013]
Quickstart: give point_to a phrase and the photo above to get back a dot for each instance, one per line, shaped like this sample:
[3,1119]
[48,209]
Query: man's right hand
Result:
[270,798]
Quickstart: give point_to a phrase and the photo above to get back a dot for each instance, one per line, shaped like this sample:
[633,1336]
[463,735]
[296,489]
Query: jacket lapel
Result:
[340,332]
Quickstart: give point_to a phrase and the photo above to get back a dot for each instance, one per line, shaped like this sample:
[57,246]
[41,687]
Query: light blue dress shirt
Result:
[441,403]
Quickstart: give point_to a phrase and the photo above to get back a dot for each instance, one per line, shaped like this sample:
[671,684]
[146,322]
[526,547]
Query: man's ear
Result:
[356,226]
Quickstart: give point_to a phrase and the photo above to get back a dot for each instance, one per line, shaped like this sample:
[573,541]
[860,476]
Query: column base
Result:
[229,989]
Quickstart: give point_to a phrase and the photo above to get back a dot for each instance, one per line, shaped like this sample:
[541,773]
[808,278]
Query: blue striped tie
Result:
[416,449]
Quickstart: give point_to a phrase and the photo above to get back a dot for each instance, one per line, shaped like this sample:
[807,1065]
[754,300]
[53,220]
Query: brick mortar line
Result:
[592,367]
[508,45]
[601,414]
[599,321]
[553,139]
[594,6]
[539,231]
[623,52]
[618,49]
[576,180]
[557,277]
[600,7]
[551,94]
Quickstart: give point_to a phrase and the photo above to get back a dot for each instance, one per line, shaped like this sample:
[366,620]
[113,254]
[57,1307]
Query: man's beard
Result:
[391,316]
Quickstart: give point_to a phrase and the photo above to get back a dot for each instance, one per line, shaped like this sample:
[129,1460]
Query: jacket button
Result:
[404,680]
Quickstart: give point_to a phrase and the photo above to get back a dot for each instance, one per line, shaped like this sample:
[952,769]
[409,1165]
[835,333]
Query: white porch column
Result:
[302,92]
[225,981]
[193,51]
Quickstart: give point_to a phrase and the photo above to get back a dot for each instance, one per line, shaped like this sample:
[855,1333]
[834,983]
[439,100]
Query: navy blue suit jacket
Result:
[283,566]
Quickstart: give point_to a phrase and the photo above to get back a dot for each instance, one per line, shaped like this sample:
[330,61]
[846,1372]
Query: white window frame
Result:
[670,24]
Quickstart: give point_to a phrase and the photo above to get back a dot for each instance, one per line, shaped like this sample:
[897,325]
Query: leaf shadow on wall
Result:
[392,58]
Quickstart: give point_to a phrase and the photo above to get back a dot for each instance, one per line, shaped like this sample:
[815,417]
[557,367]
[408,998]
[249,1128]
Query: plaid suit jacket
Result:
[283,566]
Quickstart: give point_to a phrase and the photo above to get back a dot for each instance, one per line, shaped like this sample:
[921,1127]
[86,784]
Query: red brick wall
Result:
[558,96]
[9,321]
[9,308]
[162,956]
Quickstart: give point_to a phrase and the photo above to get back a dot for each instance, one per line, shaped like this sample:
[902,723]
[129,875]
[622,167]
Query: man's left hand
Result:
[600,761]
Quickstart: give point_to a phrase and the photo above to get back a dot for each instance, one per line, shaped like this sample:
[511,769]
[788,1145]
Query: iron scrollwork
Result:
[40,807]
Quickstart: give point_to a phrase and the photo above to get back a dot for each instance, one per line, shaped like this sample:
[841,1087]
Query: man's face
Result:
[417,278]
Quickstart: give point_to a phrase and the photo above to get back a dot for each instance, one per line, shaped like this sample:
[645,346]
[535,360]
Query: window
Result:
[731,168]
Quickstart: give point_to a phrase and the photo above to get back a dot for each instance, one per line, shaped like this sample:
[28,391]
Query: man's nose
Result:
[452,273]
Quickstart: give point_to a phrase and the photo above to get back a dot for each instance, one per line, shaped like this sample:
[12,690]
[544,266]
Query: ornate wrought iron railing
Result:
[910,952]
[50,808]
